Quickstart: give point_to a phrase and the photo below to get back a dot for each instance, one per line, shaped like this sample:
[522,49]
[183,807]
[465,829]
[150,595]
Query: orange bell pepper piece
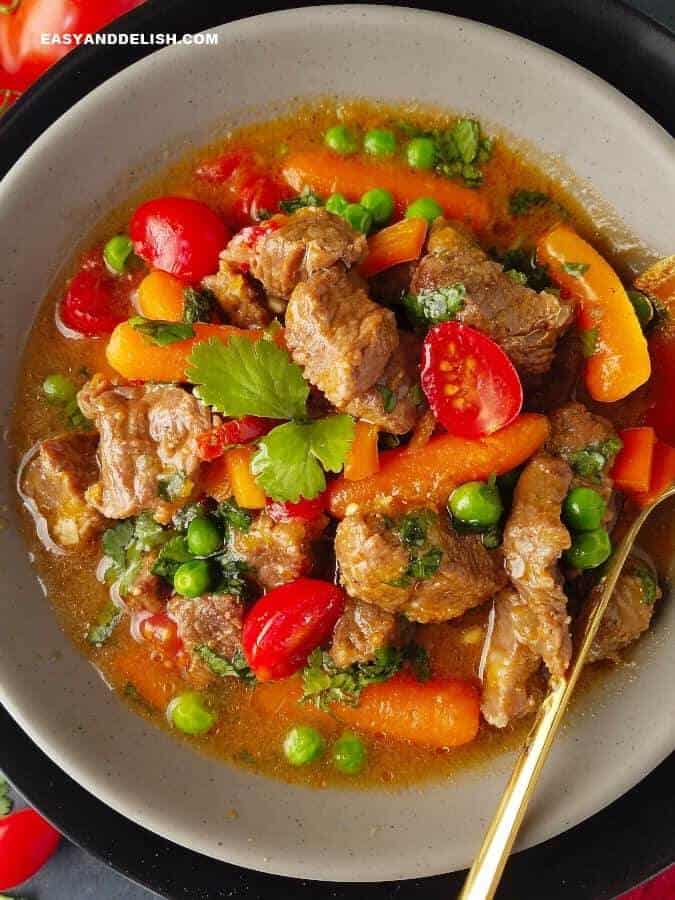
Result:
[663,473]
[363,459]
[399,243]
[632,467]
[160,296]
[619,362]
[246,491]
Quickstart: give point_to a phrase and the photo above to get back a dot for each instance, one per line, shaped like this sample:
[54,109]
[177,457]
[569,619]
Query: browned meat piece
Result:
[401,379]
[361,631]
[339,335]
[147,432]
[277,552]
[375,567]
[54,484]
[240,299]
[509,666]
[526,324]
[214,621]
[311,240]
[548,391]
[629,611]
[389,286]
[534,539]
[147,591]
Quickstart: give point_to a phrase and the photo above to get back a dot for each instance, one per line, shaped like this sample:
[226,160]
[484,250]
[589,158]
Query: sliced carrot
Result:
[399,243]
[327,173]
[619,361]
[215,479]
[134,356]
[632,467]
[363,458]
[244,488]
[156,683]
[160,296]
[663,473]
[428,474]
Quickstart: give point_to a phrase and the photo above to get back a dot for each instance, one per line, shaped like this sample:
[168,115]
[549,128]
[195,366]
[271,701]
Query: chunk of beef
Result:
[277,552]
[374,567]
[389,286]
[629,611]
[240,299]
[534,539]
[339,335]
[311,240]
[146,432]
[527,325]
[509,665]
[361,631]
[54,484]
[215,621]
[147,591]
[548,391]
[391,403]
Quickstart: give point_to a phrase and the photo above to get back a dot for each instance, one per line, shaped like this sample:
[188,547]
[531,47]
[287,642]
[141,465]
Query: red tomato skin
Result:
[162,632]
[495,393]
[212,444]
[178,235]
[95,302]
[284,626]
[223,167]
[26,843]
[307,510]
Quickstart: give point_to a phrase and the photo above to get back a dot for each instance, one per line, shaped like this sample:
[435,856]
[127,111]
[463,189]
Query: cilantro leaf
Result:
[172,555]
[287,461]
[162,333]
[520,260]
[516,276]
[422,567]
[418,658]
[388,398]
[466,135]
[104,624]
[306,198]
[233,515]
[575,268]
[183,516]
[522,201]
[244,378]
[148,534]
[237,667]
[324,683]
[170,487]
[6,802]
[413,527]
[648,582]
[199,305]
[589,342]
[115,542]
[431,306]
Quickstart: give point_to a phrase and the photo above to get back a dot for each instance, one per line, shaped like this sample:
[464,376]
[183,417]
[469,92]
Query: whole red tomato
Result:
[22,23]
[26,843]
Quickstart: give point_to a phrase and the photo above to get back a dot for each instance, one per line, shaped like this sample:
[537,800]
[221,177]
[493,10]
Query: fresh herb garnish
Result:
[648,583]
[306,198]
[431,306]
[522,201]
[416,395]
[172,555]
[233,516]
[388,398]
[424,559]
[460,151]
[199,305]
[418,659]
[6,802]
[524,261]
[162,333]
[286,464]
[516,276]
[643,306]
[237,667]
[590,461]
[422,567]
[104,624]
[183,516]
[170,487]
[589,342]
[125,544]
[231,576]
[324,683]
[413,528]
[575,268]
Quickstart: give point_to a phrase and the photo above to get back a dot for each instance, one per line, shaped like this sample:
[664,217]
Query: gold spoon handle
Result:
[488,866]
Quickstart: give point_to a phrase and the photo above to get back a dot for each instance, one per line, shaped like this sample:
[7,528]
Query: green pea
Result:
[117,251]
[380,204]
[380,142]
[424,208]
[358,217]
[190,714]
[584,509]
[643,307]
[303,744]
[341,139]
[192,579]
[476,504]
[203,537]
[349,754]
[421,153]
[337,204]
[589,549]
[59,389]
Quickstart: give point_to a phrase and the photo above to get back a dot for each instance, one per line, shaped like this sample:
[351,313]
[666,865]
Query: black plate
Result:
[625,843]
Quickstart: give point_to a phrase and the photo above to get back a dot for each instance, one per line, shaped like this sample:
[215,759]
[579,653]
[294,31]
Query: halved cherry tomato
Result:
[284,626]
[95,301]
[213,443]
[178,235]
[258,197]
[307,510]
[223,167]
[26,843]
[162,632]
[471,384]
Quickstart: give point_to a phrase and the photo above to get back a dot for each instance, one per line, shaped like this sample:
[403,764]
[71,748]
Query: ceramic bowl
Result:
[107,145]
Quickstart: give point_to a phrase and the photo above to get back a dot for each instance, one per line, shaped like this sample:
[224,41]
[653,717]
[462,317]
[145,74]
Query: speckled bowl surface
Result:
[111,141]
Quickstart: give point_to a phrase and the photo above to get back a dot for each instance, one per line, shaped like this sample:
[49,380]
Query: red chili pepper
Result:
[162,632]
[95,301]
[213,443]
[284,626]
[307,510]
[24,56]
[26,843]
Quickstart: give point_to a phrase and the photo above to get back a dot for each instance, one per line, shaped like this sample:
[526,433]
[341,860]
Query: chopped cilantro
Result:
[422,567]
[416,395]
[590,462]
[244,378]
[287,463]
[233,515]
[466,136]
[172,555]
[104,624]
[199,305]
[231,576]
[237,667]
[115,542]
[520,260]
[589,342]
[648,582]
[148,533]
[388,398]
[324,683]
[414,526]
[419,661]
[492,538]
[575,268]
[162,333]
[306,198]
[6,803]
[516,276]
[435,305]
[183,516]
[522,201]
[460,151]
[125,544]
[170,487]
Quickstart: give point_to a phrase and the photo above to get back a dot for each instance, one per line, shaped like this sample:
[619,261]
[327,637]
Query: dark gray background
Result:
[74,875]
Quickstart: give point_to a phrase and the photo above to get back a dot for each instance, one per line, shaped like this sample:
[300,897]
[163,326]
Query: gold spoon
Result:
[488,866]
